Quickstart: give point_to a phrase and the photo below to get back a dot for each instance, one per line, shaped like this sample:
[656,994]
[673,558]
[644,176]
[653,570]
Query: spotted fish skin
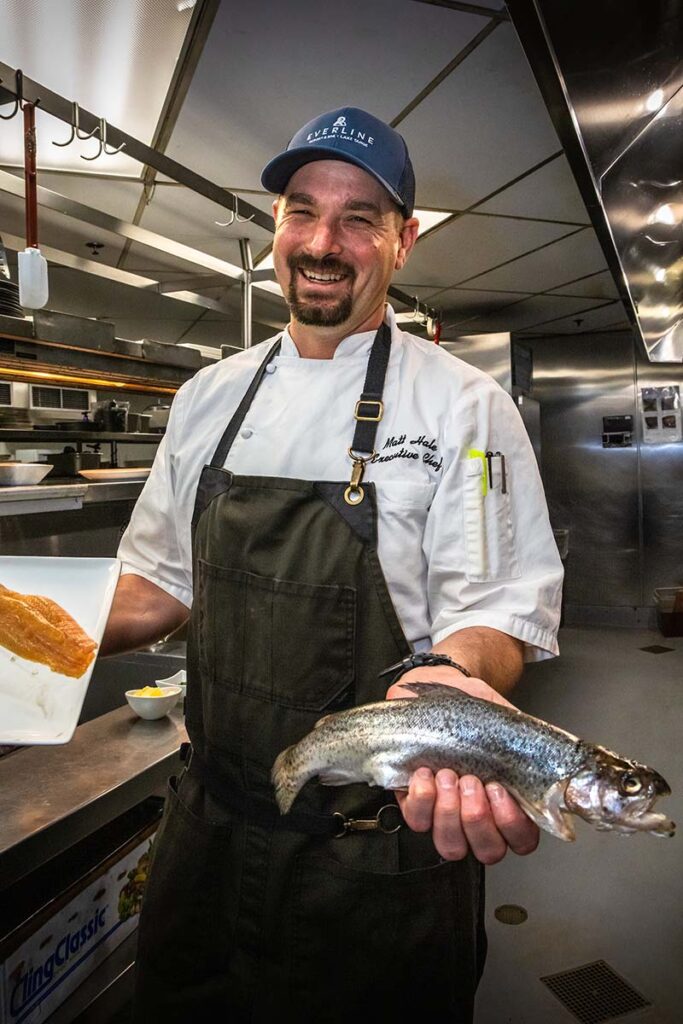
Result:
[550,772]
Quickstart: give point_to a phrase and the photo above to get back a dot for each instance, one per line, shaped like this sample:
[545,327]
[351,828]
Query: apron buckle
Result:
[378,823]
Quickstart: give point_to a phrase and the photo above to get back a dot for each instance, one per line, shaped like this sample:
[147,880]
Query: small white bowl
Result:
[179,678]
[154,707]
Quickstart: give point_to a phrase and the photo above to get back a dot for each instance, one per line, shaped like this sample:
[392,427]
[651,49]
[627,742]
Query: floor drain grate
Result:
[657,649]
[594,993]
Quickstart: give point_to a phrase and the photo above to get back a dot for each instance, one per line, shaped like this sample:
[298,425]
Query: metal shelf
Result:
[88,436]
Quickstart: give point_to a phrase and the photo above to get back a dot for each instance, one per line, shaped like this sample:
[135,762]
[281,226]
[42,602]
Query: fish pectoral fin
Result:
[429,689]
[551,816]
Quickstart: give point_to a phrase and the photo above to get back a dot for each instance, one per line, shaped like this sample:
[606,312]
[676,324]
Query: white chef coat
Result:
[453,556]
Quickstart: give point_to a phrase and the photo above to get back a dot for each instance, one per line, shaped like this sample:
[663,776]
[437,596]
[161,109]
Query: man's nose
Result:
[324,239]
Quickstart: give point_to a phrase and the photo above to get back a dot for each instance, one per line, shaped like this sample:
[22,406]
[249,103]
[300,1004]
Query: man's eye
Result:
[301,213]
[360,220]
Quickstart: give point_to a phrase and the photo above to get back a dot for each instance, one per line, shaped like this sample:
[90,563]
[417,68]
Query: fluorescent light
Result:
[654,100]
[430,218]
[185,5]
[664,215]
[266,263]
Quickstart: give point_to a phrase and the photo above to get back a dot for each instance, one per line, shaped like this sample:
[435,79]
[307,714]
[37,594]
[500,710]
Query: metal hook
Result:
[102,129]
[112,149]
[227,223]
[18,103]
[241,220]
[76,132]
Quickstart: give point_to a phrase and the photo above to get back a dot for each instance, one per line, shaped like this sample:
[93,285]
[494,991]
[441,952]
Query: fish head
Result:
[616,794]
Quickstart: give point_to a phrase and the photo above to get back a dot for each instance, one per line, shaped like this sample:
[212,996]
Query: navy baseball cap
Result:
[356,137]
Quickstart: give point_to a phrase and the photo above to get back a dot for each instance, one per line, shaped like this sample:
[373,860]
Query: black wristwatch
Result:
[419,661]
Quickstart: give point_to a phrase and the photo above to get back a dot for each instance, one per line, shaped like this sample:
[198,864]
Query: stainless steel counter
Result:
[64,494]
[53,796]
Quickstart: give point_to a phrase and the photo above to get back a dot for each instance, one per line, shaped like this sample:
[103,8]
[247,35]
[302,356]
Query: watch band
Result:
[421,660]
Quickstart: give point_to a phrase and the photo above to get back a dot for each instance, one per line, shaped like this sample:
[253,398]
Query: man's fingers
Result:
[516,827]
[418,806]
[449,838]
[486,842]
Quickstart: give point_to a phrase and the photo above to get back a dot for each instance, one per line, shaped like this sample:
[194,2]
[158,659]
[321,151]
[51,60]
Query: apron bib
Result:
[249,915]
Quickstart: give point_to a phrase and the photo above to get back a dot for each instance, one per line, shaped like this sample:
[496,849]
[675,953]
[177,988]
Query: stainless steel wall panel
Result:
[591,490]
[661,478]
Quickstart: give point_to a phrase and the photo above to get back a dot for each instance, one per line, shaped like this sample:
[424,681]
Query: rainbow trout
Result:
[550,773]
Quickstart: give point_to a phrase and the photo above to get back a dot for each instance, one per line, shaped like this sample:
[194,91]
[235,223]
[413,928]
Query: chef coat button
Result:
[246,432]
[270,368]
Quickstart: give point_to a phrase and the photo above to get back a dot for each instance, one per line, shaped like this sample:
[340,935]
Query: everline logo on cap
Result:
[354,136]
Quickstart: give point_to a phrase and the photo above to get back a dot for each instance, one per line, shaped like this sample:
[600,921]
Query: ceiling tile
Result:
[549,192]
[115,59]
[469,245]
[600,286]
[563,261]
[521,315]
[117,198]
[483,126]
[612,316]
[269,67]
[187,217]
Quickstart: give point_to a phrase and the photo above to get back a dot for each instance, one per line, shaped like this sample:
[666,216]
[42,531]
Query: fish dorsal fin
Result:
[431,689]
[321,721]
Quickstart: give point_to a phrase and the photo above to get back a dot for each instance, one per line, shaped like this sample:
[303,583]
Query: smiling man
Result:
[346,530]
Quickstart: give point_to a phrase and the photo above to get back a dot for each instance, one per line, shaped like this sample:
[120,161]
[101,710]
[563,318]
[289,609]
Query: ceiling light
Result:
[430,218]
[660,275]
[266,262]
[664,215]
[185,5]
[654,100]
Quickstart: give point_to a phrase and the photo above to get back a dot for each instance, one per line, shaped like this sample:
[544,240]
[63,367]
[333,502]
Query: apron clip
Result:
[354,493]
[375,824]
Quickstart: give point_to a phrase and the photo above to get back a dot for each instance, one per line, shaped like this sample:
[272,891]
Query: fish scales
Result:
[549,771]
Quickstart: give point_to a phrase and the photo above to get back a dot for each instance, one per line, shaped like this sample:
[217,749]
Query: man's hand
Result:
[461,813]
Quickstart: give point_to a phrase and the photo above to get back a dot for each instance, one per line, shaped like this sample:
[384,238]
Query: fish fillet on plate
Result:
[53,612]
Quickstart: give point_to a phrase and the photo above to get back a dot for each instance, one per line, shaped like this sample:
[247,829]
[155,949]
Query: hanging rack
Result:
[102,129]
[234,217]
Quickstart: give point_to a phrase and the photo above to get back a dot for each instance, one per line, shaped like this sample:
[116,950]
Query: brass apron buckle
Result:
[375,824]
[354,493]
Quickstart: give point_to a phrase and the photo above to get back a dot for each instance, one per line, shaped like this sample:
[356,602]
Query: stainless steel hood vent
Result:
[612,75]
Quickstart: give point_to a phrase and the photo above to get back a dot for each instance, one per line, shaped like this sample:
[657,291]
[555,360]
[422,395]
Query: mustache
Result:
[327,265]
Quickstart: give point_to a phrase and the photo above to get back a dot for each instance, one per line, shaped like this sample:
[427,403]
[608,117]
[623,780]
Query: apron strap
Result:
[226,441]
[369,407]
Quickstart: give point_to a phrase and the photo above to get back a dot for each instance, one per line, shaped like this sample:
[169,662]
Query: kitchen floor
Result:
[606,897]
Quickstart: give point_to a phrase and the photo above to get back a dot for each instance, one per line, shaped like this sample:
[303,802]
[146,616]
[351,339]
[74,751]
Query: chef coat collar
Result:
[354,345]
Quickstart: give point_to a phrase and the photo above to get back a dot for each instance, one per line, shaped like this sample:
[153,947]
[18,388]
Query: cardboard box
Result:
[48,957]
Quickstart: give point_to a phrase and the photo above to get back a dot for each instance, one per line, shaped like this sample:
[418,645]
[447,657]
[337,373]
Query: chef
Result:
[337,508]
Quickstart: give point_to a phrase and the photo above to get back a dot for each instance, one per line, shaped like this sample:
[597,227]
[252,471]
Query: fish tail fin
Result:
[288,777]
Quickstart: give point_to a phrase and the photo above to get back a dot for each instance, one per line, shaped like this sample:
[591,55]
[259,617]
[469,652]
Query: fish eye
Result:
[631,784]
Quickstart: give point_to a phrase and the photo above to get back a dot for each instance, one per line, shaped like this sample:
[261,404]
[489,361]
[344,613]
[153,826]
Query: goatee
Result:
[313,313]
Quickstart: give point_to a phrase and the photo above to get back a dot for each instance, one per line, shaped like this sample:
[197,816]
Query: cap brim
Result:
[277,173]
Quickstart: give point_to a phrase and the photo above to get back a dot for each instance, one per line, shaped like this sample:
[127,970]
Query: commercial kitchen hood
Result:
[612,76]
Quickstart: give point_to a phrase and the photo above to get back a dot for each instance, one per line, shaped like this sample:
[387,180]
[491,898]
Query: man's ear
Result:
[408,237]
[276,207]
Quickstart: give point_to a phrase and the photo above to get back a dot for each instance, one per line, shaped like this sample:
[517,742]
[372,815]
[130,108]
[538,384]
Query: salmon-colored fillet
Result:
[40,630]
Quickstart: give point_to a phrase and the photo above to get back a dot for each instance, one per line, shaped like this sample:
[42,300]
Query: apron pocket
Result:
[287,642]
[390,943]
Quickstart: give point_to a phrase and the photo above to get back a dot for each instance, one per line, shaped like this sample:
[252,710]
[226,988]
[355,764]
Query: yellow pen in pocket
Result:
[475,453]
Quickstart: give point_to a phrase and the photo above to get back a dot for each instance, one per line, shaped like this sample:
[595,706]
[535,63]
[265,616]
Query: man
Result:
[346,517]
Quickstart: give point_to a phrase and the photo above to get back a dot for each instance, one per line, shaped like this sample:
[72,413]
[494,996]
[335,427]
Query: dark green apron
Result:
[250,916]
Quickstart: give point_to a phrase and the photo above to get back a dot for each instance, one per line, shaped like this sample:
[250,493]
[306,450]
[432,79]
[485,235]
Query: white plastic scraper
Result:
[33,289]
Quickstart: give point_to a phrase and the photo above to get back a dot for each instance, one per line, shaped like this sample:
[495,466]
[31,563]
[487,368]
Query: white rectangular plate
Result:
[38,705]
[103,475]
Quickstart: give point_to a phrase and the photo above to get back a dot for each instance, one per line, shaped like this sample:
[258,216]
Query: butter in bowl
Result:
[152,702]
